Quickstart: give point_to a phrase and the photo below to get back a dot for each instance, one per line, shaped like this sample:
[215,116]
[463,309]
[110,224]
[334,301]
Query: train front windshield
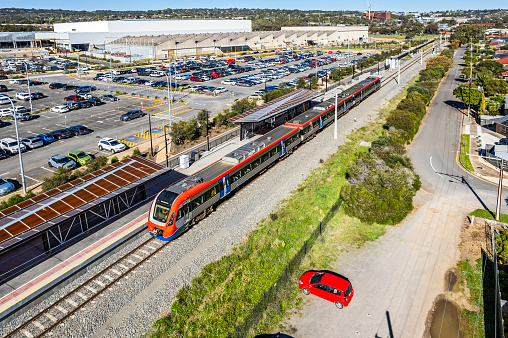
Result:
[163,205]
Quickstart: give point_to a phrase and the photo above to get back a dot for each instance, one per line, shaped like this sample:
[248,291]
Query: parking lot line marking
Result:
[33,179]
[100,121]
[47,169]
[4,174]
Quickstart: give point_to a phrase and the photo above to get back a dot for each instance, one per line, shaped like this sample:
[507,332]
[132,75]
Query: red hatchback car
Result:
[327,285]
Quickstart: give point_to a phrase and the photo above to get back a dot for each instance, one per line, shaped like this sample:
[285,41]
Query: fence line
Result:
[272,297]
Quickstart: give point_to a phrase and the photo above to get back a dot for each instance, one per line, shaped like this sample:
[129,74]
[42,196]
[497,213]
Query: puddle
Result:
[450,280]
[445,320]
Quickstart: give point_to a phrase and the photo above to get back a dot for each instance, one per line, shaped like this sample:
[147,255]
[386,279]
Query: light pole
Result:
[470,79]
[19,146]
[168,78]
[28,85]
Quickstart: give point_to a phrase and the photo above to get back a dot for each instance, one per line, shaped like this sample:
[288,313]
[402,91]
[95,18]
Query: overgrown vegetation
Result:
[382,182]
[470,277]
[464,151]
[15,199]
[63,175]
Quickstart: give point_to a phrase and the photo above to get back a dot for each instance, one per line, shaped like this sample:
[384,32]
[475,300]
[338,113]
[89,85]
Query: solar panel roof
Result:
[48,206]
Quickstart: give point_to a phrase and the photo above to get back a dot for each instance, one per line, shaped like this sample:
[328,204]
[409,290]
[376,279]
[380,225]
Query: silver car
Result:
[32,142]
[5,186]
[57,161]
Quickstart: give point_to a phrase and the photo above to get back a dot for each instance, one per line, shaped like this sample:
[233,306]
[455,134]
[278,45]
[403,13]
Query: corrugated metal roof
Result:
[275,107]
[72,196]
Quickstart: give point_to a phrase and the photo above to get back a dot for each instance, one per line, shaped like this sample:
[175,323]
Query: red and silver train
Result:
[174,208]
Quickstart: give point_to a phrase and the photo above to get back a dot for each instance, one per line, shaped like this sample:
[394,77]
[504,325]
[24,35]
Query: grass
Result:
[481,213]
[225,293]
[469,276]
[464,151]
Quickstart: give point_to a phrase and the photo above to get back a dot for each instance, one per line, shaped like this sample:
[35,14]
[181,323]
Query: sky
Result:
[361,5]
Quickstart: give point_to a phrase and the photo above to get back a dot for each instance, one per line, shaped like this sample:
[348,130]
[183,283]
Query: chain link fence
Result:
[281,289]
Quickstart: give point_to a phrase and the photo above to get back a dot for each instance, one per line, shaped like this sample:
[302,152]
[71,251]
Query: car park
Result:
[10,146]
[109,97]
[4,99]
[111,144]
[84,104]
[79,156]
[60,109]
[4,112]
[132,114]
[57,161]
[47,138]
[61,133]
[79,130]
[327,285]
[32,142]
[37,95]
[6,186]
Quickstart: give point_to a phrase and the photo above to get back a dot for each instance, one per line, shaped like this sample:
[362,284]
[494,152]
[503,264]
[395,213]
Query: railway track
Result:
[50,317]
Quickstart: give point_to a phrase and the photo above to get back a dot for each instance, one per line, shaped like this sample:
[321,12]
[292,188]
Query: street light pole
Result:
[168,152]
[28,85]
[499,190]
[19,147]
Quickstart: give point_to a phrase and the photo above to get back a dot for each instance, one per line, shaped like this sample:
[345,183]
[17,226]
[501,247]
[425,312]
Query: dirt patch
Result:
[472,239]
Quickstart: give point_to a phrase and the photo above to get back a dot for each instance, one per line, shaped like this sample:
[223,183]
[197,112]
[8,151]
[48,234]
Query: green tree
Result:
[495,86]
[481,107]
[300,83]
[493,104]
[202,120]
[463,93]
[432,28]
[465,33]
[496,68]
[242,105]
[191,130]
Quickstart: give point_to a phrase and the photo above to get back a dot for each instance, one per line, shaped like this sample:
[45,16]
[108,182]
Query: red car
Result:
[73,98]
[195,78]
[327,285]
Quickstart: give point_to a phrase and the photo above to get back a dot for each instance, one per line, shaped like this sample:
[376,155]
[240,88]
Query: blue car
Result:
[47,138]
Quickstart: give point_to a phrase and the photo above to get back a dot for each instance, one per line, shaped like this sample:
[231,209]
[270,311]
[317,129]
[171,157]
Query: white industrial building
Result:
[175,45]
[95,34]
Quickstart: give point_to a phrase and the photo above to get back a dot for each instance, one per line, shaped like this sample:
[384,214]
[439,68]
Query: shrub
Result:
[415,106]
[404,121]
[15,199]
[136,151]
[114,159]
[419,89]
[96,164]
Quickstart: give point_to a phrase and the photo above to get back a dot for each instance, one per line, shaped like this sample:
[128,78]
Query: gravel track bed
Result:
[129,308]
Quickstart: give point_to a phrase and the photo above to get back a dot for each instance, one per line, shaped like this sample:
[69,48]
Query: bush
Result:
[114,159]
[15,199]
[96,164]
[136,151]
[416,106]
[419,89]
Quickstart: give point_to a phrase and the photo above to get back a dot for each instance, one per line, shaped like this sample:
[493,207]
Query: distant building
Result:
[378,16]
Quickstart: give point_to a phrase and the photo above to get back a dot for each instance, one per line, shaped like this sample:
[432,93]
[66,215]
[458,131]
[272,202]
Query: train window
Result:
[161,213]
[196,202]
[180,214]
[235,176]
[266,156]
[256,163]
[221,186]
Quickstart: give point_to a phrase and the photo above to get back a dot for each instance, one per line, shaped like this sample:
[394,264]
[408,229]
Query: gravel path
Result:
[129,308]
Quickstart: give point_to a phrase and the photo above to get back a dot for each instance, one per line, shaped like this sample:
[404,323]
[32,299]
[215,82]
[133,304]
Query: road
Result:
[397,277]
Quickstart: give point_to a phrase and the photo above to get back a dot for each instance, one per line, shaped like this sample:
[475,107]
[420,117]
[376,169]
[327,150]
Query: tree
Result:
[203,121]
[242,105]
[300,83]
[465,33]
[481,107]
[493,66]
[495,86]
[432,28]
[462,93]
[439,61]
[493,104]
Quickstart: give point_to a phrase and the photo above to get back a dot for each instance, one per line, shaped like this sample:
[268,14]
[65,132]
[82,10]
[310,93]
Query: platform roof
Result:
[275,107]
[26,218]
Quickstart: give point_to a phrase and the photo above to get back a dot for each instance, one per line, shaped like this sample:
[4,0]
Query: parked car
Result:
[61,133]
[4,112]
[37,95]
[79,156]
[56,85]
[327,285]
[4,99]
[21,116]
[57,161]
[84,89]
[109,97]
[23,96]
[32,142]
[6,186]
[132,114]
[84,104]
[111,144]
[69,87]
[503,141]
[79,130]
[73,98]
[60,109]
[3,153]
[10,145]
[3,88]
[95,101]
[46,138]
[72,105]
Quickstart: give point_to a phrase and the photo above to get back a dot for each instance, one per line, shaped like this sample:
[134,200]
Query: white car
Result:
[228,82]
[15,81]
[23,96]
[219,90]
[111,144]
[4,99]
[5,112]
[10,145]
[18,109]
[60,109]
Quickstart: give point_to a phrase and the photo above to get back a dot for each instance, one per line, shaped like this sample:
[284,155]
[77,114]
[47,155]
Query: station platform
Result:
[33,286]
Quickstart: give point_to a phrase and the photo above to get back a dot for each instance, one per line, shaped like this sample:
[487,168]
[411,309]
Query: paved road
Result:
[397,278]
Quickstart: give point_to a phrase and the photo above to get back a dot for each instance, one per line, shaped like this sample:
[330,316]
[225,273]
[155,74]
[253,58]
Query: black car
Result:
[61,133]
[85,104]
[95,101]
[2,123]
[3,77]
[56,85]
[3,88]
[69,87]
[84,89]
[132,114]
[37,95]
[79,130]
[3,154]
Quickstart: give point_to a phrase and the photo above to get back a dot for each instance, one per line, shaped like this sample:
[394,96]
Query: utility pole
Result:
[398,71]
[499,190]
[150,131]
[470,79]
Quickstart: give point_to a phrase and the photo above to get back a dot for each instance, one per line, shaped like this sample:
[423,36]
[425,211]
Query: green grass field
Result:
[464,151]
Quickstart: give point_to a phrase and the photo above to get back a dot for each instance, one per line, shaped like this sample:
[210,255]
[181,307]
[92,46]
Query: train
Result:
[175,208]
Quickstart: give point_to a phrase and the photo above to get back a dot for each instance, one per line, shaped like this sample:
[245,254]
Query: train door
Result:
[321,122]
[283,150]
[224,186]
[361,95]
[187,213]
